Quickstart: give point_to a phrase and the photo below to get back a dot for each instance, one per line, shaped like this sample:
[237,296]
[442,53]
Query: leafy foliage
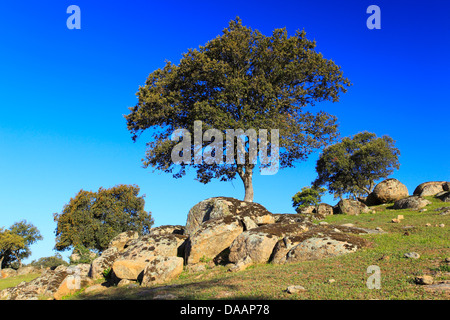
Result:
[30,234]
[353,165]
[309,196]
[10,242]
[15,242]
[92,219]
[245,80]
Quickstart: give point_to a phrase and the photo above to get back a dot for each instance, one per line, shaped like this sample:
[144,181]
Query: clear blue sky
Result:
[63,94]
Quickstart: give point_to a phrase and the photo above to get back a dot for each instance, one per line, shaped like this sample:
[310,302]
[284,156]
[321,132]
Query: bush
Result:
[307,197]
[49,262]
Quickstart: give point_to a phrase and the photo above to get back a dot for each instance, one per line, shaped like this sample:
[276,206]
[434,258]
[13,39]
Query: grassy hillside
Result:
[14,281]
[349,272]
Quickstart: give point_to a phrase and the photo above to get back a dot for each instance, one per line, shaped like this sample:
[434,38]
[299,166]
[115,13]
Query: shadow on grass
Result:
[219,290]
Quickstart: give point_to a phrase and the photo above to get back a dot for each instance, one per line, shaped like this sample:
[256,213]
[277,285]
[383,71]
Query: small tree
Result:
[309,196]
[353,165]
[9,243]
[92,219]
[241,80]
[30,234]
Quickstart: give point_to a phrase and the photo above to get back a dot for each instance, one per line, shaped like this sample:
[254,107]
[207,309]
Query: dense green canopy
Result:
[353,165]
[309,196]
[9,243]
[245,80]
[92,219]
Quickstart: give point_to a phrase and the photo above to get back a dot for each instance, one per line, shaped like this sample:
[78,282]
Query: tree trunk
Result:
[1,262]
[20,261]
[247,176]
[248,185]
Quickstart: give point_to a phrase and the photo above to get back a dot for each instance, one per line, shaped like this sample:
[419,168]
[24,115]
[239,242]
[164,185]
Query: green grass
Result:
[268,281]
[14,281]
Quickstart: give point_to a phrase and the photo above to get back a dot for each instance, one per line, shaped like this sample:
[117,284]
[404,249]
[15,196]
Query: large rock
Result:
[75,280]
[147,247]
[285,245]
[352,207]
[318,212]
[257,244]
[128,269]
[324,209]
[122,239]
[81,269]
[220,207]
[167,229]
[413,202]
[388,190]
[431,188]
[212,238]
[322,243]
[161,270]
[443,196]
[307,210]
[104,262]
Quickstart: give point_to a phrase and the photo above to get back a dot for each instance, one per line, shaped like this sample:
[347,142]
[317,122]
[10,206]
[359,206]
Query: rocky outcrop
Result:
[321,243]
[324,209]
[167,229]
[220,207]
[431,188]
[257,244]
[51,284]
[147,247]
[318,242]
[219,231]
[318,212]
[351,207]
[76,279]
[413,202]
[104,262]
[121,240]
[443,196]
[386,191]
[128,269]
[211,238]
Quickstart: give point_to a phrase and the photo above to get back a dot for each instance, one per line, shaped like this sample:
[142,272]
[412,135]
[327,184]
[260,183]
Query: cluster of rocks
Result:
[393,191]
[51,284]
[219,230]
[224,231]
[387,191]
[431,284]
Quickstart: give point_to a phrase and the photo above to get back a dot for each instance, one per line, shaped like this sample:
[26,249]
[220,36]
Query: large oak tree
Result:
[245,80]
